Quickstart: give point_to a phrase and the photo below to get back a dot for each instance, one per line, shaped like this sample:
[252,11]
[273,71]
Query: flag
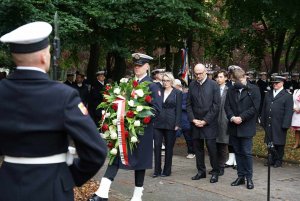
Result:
[185,65]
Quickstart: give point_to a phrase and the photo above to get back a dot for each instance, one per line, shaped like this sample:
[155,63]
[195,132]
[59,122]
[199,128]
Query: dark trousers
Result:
[200,153]
[277,156]
[112,170]
[243,155]
[189,141]
[170,138]
[230,149]
[222,154]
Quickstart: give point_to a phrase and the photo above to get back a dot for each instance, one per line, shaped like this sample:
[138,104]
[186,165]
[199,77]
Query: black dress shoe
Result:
[250,184]
[155,175]
[267,163]
[97,198]
[238,181]
[227,166]
[277,164]
[165,175]
[214,178]
[221,172]
[199,176]
[234,167]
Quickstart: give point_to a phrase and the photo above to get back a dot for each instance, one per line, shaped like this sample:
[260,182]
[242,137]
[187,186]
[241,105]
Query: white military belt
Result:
[57,158]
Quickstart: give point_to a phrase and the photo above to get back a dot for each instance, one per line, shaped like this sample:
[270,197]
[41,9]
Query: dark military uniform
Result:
[276,118]
[40,114]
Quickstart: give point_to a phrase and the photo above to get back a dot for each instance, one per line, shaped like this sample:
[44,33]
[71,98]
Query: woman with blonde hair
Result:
[166,125]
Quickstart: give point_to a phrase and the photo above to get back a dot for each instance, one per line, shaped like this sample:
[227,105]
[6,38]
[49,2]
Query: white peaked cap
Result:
[28,38]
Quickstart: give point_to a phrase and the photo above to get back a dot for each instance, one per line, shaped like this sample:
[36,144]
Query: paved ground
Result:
[285,183]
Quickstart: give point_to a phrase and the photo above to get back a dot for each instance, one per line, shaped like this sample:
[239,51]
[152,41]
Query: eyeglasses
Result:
[197,74]
[166,80]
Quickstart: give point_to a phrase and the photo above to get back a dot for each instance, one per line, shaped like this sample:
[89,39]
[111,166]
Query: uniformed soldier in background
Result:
[276,118]
[96,96]
[40,114]
[263,85]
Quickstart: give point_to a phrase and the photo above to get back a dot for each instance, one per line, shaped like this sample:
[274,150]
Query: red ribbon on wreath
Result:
[121,130]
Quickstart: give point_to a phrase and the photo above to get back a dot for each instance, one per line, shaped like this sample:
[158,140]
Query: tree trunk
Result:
[168,57]
[277,54]
[93,61]
[119,69]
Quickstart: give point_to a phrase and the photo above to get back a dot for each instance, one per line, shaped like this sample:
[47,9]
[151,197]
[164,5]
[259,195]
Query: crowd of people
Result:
[220,110]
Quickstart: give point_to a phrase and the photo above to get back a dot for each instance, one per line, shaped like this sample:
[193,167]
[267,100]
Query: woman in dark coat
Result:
[276,118]
[166,125]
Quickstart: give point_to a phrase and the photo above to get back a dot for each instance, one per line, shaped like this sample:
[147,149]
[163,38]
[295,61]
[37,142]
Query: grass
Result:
[260,148]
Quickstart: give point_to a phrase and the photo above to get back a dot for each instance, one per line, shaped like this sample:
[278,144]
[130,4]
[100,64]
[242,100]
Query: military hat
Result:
[158,70]
[276,79]
[210,72]
[140,59]
[101,72]
[250,72]
[233,67]
[28,38]
[263,73]
[177,82]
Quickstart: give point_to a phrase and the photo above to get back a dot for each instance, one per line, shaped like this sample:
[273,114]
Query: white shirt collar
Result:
[277,91]
[141,77]
[30,68]
[201,82]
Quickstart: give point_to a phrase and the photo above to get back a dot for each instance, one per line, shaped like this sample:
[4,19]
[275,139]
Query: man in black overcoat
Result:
[40,116]
[82,88]
[203,103]
[276,118]
[142,156]
[241,106]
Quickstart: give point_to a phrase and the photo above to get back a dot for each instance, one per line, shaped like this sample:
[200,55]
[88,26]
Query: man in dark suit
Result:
[241,106]
[70,79]
[40,115]
[223,137]
[276,118]
[203,103]
[82,88]
[96,97]
[141,157]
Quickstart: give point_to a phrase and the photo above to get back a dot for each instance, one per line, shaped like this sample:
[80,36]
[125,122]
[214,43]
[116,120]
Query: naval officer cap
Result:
[276,79]
[101,72]
[158,70]
[140,59]
[28,38]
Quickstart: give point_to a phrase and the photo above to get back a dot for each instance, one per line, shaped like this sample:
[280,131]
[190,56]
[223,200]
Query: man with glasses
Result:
[203,104]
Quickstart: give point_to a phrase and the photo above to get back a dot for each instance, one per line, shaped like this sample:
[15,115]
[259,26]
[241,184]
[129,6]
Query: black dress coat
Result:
[276,116]
[40,115]
[83,93]
[96,97]
[170,115]
[142,156]
[203,103]
[245,107]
